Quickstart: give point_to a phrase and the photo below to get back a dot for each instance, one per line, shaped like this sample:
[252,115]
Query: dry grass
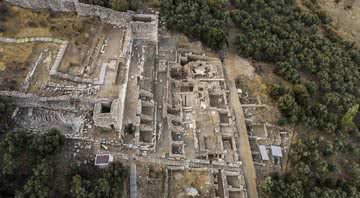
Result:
[346,21]
[152,3]
[15,52]
[28,23]
[15,60]
[41,76]
[2,66]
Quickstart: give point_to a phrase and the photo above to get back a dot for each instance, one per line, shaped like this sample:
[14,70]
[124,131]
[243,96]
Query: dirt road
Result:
[232,63]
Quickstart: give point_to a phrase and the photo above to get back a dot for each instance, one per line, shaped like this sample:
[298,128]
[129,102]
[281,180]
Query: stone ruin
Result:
[107,112]
[160,94]
[197,101]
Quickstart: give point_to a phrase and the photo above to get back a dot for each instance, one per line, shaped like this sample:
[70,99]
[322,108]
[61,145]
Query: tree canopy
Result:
[36,149]
[110,185]
[200,19]
[322,70]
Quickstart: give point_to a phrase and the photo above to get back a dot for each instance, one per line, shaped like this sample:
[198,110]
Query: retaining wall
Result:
[105,14]
[54,5]
[146,29]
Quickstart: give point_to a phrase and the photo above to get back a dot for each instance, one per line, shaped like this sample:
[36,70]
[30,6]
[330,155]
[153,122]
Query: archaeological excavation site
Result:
[123,89]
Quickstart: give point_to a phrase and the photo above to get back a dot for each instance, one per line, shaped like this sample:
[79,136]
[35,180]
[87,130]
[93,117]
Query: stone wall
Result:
[115,117]
[143,26]
[59,57]
[54,5]
[138,26]
[105,14]
[25,85]
[31,39]
[64,102]
[54,68]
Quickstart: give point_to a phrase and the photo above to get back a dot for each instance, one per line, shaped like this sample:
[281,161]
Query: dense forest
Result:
[25,158]
[322,72]
[197,19]
[29,169]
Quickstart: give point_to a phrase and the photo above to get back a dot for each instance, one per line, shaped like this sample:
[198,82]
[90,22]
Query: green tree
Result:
[215,38]
[6,107]
[311,87]
[77,187]
[200,19]
[48,143]
[115,175]
[14,142]
[102,188]
[347,119]
[289,108]
[36,186]
[301,95]
[8,164]
[278,90]
[134,4]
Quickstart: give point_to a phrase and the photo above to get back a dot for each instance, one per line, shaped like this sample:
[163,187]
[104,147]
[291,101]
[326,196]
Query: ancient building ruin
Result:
[169,105]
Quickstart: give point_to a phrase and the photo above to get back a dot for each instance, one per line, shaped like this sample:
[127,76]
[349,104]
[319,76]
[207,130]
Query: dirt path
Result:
[234,66]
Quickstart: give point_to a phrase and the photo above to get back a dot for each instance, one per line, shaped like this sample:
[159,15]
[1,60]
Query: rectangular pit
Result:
[175,123]
[146,136]
[226,130]
[178,73]
[227,143]
[187,100]
[224,118]
[146,85]
[106,107]
[187,88]
[234,181]
[177,149]
[176,136]
[217,101]
[259,130]
[173,111]
[146,122]
[236,194]
[147,110]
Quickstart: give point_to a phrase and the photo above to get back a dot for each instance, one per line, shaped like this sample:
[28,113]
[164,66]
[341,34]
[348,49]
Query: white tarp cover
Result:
[276,151]
[192,192]
[264,154]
